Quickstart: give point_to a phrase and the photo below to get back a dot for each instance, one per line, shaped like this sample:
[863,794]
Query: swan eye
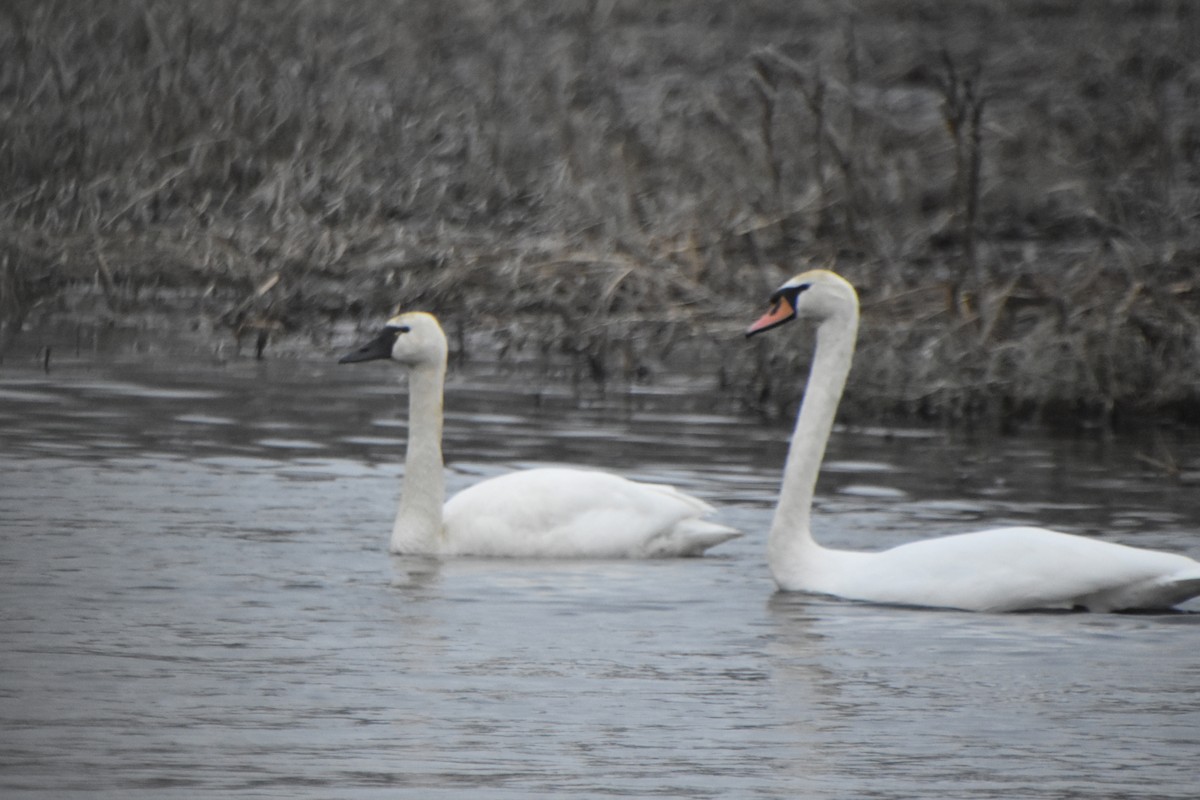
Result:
[403,329]
[793,293]
[788,293]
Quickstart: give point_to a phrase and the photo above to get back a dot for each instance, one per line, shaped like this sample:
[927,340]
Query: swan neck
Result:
[418,525]
[791,532]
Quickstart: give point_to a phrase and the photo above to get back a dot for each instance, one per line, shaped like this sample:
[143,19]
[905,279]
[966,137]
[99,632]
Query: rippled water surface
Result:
[196,600]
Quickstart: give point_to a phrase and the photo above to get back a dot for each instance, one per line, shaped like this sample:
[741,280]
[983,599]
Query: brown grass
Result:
[1014,185]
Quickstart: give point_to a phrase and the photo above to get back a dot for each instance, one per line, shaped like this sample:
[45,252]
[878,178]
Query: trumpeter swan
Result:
[535,513]
[1004,569]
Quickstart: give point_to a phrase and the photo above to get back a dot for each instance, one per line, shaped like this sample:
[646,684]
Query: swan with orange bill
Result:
[1002,569]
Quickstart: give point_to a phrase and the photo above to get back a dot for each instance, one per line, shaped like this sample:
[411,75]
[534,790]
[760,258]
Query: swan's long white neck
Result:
[418,526]
[791,546]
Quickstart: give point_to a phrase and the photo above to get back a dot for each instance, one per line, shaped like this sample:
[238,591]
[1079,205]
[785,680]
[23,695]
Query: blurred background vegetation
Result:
[1013,185]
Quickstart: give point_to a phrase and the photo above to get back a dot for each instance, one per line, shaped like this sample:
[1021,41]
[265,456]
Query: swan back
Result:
[1005,569]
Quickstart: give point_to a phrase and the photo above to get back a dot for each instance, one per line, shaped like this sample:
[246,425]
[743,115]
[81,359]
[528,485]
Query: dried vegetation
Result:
[1014,184]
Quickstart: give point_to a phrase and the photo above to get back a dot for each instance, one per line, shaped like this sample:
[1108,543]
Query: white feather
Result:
[1004,569]
[537,513]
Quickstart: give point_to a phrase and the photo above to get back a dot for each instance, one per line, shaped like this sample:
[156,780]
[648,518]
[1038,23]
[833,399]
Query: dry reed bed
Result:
[1013,185]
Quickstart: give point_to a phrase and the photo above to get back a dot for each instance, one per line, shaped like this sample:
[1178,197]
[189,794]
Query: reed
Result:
[1013,184]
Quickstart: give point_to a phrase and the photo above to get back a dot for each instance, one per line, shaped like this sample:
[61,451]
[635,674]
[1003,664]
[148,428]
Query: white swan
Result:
[1005,569]
[536,513]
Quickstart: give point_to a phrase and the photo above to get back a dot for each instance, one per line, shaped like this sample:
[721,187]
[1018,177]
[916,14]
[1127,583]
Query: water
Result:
[196,600]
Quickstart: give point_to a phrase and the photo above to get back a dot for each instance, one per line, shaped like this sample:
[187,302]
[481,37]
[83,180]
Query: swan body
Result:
[550,512]
[1003,569]
[579,514]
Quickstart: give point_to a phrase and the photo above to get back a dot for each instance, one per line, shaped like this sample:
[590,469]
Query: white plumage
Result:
[577,513]
[549,512]
[1004,569]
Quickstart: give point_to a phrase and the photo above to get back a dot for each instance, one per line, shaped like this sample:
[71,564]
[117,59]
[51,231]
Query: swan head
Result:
[817,294]
[411,339]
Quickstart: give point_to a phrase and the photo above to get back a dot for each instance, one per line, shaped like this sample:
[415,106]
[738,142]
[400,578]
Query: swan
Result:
[535,513]
[1004,569]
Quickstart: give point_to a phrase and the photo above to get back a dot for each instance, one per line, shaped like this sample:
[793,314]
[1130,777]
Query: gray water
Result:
[196,600]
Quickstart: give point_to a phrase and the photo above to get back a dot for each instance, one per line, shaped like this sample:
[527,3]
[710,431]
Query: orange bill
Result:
[781,311]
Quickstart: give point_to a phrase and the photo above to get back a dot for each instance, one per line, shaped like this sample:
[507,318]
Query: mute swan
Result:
[535,513]
[1004,569]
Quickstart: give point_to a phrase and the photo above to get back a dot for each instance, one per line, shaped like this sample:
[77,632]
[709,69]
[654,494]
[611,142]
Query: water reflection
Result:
[1062,696]
[196,599]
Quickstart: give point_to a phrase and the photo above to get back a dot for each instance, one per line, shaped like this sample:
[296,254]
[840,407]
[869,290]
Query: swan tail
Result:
[1156,595]
[1175,590]
[690,537]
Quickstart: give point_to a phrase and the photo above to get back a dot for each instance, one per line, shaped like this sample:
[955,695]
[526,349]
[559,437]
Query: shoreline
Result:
[606,355]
